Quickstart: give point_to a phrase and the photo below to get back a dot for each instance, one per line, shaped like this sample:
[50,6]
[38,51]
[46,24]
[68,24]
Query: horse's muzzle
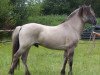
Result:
[94,22]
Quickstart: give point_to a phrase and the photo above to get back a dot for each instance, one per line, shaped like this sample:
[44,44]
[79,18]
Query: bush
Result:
[5,35]
[48,19]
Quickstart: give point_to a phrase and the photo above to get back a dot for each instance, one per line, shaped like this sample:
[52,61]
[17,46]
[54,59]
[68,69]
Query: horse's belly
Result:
[56,47]
[53,44]
[57,43]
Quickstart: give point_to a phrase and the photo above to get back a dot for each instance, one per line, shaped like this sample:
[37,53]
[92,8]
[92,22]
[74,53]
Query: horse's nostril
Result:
[95,22]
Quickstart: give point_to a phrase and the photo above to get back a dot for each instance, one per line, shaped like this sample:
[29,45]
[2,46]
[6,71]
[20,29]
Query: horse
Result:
[96,34]
[64,36]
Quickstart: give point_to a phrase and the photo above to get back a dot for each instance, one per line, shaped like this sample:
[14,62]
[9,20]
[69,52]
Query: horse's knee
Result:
[24,55]
[70,55]
[23,58]
[70,59]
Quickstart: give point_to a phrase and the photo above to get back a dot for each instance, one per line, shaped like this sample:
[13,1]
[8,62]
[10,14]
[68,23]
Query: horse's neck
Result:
[75,22]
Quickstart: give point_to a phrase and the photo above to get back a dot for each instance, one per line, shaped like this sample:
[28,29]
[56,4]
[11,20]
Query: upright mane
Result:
[73,13]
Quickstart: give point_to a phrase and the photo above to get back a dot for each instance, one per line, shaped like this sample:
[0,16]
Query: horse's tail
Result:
[15,43]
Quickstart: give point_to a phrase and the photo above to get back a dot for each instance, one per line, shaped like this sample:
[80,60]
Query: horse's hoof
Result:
[11,72]
[70,73]
[62,72]
[27,73]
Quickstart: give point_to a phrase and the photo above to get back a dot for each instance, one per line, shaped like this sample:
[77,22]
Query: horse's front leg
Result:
[65,62]
[70,60]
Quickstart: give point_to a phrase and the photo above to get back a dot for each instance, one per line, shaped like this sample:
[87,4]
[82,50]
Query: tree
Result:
[96,6]
[19,11]
[67,6]
[23,9]
[34,7]
[60,6]
[55,6]
[5,14]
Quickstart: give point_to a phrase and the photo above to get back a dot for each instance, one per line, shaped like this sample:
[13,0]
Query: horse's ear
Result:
[81,11]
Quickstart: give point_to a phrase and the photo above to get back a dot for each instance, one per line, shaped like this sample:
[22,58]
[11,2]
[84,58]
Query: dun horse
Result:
[64,37]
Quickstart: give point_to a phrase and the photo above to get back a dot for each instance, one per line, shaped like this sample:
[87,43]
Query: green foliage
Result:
[48,20]
[5,14]
[67,6]
[60,6]
[34,9]
[19,11]
[98,21]
[55,7]
[22,9]
[96,6]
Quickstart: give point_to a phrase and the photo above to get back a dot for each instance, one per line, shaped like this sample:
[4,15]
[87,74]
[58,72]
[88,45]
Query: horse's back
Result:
[32,26]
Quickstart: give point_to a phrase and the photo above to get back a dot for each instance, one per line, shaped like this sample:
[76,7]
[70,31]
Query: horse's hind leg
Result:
[15,58]
[70,60]
[24,60]
[65,62]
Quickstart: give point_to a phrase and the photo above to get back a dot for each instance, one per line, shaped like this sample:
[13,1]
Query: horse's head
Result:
[87,14]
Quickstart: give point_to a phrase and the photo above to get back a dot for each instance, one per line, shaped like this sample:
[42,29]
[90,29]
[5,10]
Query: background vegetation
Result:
[18,12]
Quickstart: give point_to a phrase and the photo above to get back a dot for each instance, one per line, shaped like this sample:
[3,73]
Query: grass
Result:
[43,61]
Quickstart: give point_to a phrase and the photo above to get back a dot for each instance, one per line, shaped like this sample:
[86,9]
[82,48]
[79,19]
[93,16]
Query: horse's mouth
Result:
[94,22]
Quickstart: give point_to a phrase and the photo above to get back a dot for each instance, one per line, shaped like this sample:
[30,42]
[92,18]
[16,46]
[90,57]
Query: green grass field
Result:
[42,61]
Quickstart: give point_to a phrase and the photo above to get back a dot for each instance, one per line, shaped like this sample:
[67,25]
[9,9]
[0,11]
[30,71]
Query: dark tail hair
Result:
[15,43]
